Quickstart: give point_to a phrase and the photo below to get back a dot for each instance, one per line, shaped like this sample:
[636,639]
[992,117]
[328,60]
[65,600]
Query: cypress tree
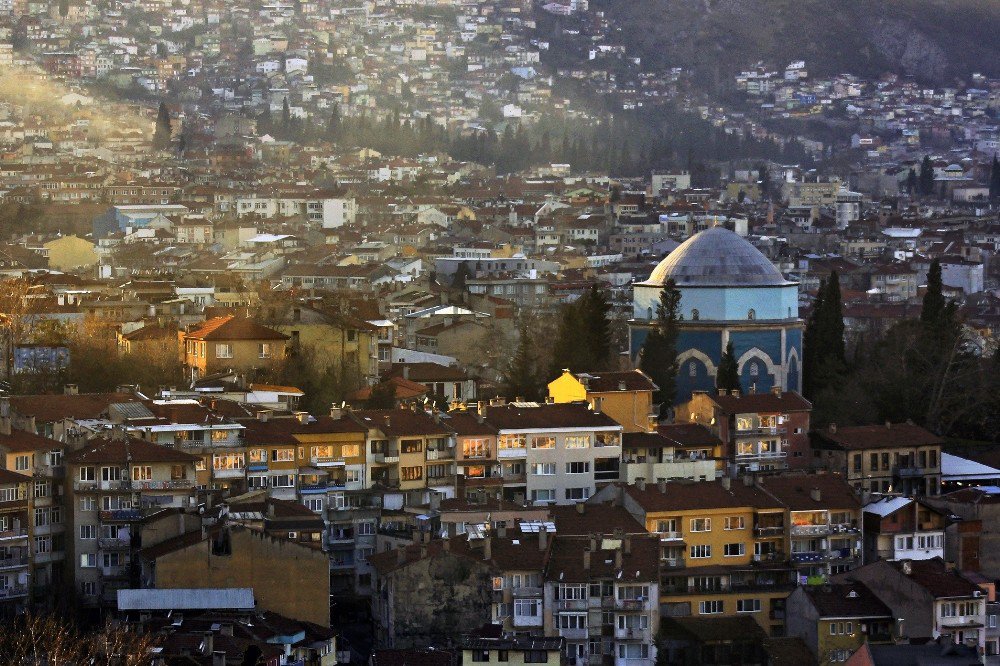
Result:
[659,352]
[995,179]
[934,303]
[926,177]
[812,344]
[567,352]
[161,135]
[728,375]
[594,311]
[911,182]
[521,380]
[833,321]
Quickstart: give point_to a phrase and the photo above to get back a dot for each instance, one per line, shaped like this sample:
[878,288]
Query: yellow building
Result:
[408,449]
[231,343]
[627,397]
[835,620]
[722,547]
[68,253]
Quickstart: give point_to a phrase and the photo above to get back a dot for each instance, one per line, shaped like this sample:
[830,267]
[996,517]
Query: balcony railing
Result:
[440,454]
[327,461]
[228,473]
[521,592]
[571,605]
[13,561]
[673,562]
[514,478]
[386,458]
[120,515]
[810,530]
[811,556]
[631,604]
[577,633]
[908,472]
[13,591]
[13,534]
[115,572]
[632,634]
[761,455]
[777,430]
[114,543]
[768,531]
[173,484]
[512,453]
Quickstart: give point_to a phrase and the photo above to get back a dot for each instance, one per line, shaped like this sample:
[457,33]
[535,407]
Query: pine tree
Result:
[521,378]
[162,133]
[911,182]
[833,321]
[934,302]
[659,352]
[265,123]
[824,354]
[286,118]
[567,352]
[728,375]
[926,177]
[594,311]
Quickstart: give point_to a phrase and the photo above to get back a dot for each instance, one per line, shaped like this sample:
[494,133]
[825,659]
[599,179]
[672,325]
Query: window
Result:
[476,448]
[314,504]
[366,528]
[602,439]
[701,552]
[282,455]
[283,481]
[536,657]
[701,524]
[219,435]
[142,473]
[577,493]
[88,531]
[713,607]
[543,495]
[411,446]
[227,461]
[857,462]
[88,560]
[411,473]
[41,489]
[734,550]
[572,621]
[735,523]
[754,370]
[695,315]
[543,442]
[748,605]
[264,350]
[87,474]
[577,467]
[577,442]
[543,469]
[633,650]
[43,544]
[41,517]
[527,607]
[572,592]
[223,350]
[321,451]
[111,474]
[22,463]
[511,442]
[178,472]
[692,369]
[56,516]
[88,588]
[88,504]
[352,476]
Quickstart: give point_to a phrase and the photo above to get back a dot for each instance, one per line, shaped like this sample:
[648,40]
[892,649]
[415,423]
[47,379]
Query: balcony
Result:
[808,557]
[8,535]
[844,528]
[228,473]
[765,558]
[810,530]
[632,634]
[114,543]
[607,475]
[115,572]
[120,515]
[777,614]
[756,432]
[571,605]
[908,472]
[761,455]
[440,454]
[13,561]
[386,458]
[512,453]
[525,592]
[673,562]
[257,467]
[528,621]
[579,633]
[765,532]
[631,605]
[13,591]
[326,461]
[514,478]
[173,484]
[313,488]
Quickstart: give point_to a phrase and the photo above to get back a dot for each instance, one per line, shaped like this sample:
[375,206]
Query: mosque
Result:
[730,292]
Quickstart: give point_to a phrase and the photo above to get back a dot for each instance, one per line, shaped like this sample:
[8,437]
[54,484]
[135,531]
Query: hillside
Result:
[935,40]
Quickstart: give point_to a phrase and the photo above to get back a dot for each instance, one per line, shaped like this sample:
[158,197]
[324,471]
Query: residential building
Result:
[17,543]
[903,528]
[760,431]
[627,397]
[835,620]
[897,457]
[231,343]
[673,451]
[489,645]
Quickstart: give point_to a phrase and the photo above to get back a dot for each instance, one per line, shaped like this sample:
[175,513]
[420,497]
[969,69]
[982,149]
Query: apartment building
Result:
[477,465]
[760,431]
[823,516]
[671,451]
[722,547]
[17,544]
[41,460]
[835,620]
[112,483]
[897,457]
[627,397]
[410,450]
[561,451]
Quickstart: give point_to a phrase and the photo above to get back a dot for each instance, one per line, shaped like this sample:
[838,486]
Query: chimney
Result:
[543,538]
[618,558]
[832,428]
[640,483]
[406,372]
[446,544]
[301,417]
[723,392]
[776,390]
[581,508]
[4,425]
[400,554]
[207,643]
[735,392]
[423,550]
[488,548]
[593,541]
[586,560]
[481,407]
[888,424]
[621,386]
[264,415]
[219,658]
[598,405]
[502,531]
[336,413]
[748,481]
[661,485]
[816,495]
[907,566]
[435,501]
[726,482]
[226,629]
[627,544]
[71,389]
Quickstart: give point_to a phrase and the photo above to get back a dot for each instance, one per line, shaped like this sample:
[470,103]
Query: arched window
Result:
[693,369]
[695,314]
[754,370]
[752,314]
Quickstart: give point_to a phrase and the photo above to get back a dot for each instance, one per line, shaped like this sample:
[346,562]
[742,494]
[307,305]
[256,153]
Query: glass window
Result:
[543,442]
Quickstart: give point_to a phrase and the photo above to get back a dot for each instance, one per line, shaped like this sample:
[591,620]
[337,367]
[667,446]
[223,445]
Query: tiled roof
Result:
[935,577]
[425,657]
[426,372]
[788,401]
[399,422]
[567,560]
[876,436]
[631,380]
[234,328]
[152,332]
[121,451]
[22,440]
[595,517]
[552,416]
[788,651]
[846,600]
[714,629]
[687,496]
[7,476]
[466,423]
[688,434]
[282,430]
[49,408]
[796,491]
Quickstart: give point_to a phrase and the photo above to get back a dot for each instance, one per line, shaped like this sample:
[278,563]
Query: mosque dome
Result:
[717,257]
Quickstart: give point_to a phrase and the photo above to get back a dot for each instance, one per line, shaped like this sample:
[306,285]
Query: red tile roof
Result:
[788,401]
[686,496]
[876,437]
[796,491]
[50,408]
[121,451]
[234,328]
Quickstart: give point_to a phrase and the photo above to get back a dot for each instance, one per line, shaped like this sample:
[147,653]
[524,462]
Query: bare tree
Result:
[47,640]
